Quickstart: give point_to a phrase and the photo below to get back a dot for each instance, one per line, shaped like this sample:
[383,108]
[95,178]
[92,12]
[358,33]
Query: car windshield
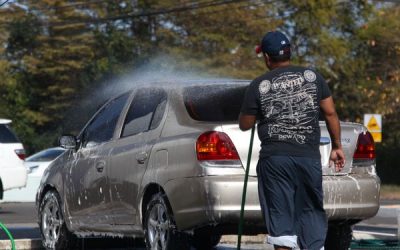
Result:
[6,135]
[46,155]
[214,103]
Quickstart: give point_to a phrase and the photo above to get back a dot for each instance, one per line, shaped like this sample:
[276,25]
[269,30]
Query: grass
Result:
[390,192]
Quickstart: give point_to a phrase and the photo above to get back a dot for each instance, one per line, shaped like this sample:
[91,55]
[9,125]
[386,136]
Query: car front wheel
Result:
[159,227]
[54,232]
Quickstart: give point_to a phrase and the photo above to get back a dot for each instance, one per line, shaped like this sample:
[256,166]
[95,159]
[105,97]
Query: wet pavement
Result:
[379,232]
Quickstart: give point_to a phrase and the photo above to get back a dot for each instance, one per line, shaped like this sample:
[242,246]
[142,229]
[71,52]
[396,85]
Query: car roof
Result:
[183,83]
[5,121]
[175,85]
[189,82]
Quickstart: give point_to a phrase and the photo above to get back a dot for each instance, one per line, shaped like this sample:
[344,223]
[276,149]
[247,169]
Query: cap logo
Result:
[274,43]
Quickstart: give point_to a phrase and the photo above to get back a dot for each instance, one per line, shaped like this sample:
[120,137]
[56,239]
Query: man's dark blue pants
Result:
[291,198]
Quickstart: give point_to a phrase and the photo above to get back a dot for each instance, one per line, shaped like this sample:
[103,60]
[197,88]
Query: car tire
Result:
[54,232]
[339,237]
[205,240]
[160,228]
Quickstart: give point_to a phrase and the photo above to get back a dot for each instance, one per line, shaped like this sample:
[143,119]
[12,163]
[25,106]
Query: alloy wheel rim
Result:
[51,221]
[158,226]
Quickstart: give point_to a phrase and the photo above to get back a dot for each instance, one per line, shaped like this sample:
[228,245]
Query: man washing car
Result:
[287,101]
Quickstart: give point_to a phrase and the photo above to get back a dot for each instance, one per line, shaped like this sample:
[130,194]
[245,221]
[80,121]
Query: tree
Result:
[219,40]
[325,36]
[382,53]
[178,37]
[48,55]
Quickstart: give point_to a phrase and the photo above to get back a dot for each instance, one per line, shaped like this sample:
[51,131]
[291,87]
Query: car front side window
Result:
[102,127]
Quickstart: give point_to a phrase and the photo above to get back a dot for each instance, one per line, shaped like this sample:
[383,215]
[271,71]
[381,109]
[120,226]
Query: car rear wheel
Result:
[160,228]
[54,232]
[338,237]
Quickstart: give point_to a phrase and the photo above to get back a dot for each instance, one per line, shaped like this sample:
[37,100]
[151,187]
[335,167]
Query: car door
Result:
[87,188]
[131,153]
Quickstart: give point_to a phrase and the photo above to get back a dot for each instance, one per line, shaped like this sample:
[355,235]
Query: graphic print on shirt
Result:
[289,104]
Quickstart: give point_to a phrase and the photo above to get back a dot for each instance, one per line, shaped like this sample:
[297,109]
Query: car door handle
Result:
[100,166]
[141,157]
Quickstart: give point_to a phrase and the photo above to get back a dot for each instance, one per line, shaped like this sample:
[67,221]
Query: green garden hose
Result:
[9,236]
[246,177]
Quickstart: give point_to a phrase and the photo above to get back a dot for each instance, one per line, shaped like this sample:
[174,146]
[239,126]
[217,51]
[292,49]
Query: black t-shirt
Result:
[286,103]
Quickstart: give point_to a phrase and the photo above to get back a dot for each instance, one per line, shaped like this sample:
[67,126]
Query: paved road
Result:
[20,218]
[385,224]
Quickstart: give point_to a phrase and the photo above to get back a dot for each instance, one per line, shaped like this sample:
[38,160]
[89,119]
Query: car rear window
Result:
[214,103]
[6,135]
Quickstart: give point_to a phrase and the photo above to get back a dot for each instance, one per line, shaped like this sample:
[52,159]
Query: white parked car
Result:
[13,173]
[35,165]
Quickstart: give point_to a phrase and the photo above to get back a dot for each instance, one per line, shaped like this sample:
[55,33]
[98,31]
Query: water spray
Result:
[9,236]
[246,177]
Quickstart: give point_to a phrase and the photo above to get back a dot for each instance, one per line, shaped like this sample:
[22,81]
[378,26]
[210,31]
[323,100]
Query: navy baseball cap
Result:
[275,43]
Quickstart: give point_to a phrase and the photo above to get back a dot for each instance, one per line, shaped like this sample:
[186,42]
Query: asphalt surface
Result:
[21,220]
[379,232]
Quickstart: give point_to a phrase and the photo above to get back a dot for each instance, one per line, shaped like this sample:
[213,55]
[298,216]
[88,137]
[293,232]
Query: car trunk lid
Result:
[221,103]
[350,132]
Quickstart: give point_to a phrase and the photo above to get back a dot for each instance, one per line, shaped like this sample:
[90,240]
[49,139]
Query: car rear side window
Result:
[7,135]
[145,112]
[214,103]
[101,128]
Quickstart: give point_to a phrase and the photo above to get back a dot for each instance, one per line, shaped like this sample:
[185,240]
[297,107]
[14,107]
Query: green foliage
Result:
[325,36]
[381,51]
[23,34]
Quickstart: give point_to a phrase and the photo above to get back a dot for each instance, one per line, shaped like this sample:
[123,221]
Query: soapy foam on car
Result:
[161,70]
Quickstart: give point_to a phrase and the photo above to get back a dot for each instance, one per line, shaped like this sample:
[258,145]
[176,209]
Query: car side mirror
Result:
[68,142]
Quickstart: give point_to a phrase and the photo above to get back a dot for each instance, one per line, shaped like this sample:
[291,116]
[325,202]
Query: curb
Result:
[22,244]
[261,238]
[36,244]
[246,239]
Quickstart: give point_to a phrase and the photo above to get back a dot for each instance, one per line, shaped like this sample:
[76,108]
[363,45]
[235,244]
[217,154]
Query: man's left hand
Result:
[337,159]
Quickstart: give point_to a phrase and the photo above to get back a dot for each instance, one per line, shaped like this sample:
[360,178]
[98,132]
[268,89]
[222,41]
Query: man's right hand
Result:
[337,159]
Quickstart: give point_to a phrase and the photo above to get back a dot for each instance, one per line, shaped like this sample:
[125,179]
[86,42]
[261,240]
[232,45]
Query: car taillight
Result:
[215,145]
[20,153]
[365,147]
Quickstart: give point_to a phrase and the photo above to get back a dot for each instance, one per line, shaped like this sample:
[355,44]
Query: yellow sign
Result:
[373,125]
[373,122]
[377,136]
